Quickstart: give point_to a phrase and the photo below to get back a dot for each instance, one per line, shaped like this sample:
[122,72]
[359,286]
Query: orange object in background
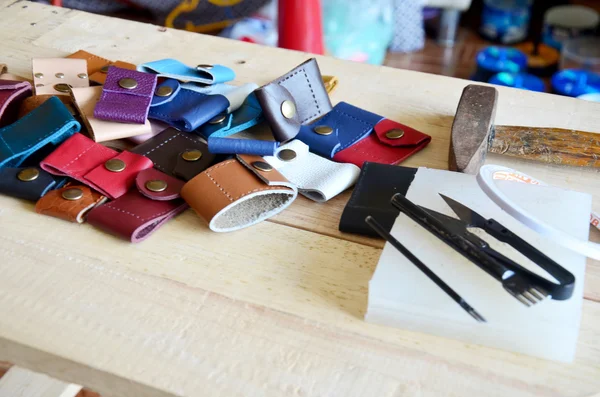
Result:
[301,26]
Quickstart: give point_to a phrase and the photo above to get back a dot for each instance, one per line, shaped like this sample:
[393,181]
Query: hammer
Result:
[474,133]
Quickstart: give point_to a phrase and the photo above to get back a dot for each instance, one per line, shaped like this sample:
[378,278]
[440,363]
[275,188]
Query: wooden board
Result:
[273,310]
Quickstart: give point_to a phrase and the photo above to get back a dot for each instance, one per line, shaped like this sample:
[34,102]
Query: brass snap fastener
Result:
[62,87]
[128,84]
[323,130]
[28,174]
[82,75]
[218,119]
[157,185]
[60,75]
[104,69]
[72,194]
[207,67]
[164,91]
[262,166]
[286,155]
[191,155]
[115,165]
[288,109]
[39,75]
[396,133]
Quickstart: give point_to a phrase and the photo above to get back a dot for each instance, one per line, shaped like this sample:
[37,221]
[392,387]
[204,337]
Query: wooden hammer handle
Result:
[548,145]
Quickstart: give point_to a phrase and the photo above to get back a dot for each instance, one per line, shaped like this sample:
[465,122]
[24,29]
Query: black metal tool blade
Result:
[467,215]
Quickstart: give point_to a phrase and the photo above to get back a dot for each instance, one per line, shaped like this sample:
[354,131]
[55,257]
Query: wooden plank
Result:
[21,382]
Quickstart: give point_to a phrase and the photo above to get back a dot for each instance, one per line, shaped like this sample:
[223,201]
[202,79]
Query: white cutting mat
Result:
[400,295]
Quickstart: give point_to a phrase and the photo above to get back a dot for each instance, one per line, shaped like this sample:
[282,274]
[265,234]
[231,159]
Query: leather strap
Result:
[28,183]
[140,212]
[317,178]
[246,116]
[178,154]
[97,67]
[172,68]
[12,94]
[49,124]
[378,148]
[125,105]
[234,194]
[94,165]
[242,146]
[73,209]
[303,87]
[33,102]
[54,76]
[85,100]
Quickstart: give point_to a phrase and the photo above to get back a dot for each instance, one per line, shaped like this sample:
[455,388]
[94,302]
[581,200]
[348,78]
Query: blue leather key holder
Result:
[242,146]
[343,126]
[28,183]
[247,116]
[184,109]
[172,68]
[50,123]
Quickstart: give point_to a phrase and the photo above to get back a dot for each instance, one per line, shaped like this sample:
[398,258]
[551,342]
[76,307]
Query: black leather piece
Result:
[375,187]
[166,148]
[305,85]
[10,184]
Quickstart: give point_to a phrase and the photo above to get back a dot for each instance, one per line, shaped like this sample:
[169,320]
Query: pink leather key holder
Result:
[126,96]
[11,95]
[101,168]
[141,211]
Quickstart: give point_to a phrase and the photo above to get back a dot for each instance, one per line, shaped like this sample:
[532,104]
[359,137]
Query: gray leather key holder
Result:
[294,99]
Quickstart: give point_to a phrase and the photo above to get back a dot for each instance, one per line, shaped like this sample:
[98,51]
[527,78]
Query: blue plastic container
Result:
[493,60]
[505,21]
[523,81]
[575,82]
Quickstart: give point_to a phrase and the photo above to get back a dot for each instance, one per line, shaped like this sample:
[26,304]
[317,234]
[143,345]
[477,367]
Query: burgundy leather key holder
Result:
[141,211]
[11,95]
[101,168]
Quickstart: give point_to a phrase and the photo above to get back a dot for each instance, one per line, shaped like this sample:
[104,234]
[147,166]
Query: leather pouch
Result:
[55,76]
[70,203]
[101,168]
[48,125]
[205,74]
[97,67]
[12,93]
[316,177]
[126,96]
[238,193]
[375,187]
[28,183]
[140,212]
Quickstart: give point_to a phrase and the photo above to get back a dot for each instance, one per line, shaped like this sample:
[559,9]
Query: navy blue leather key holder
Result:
[49,124]
[29,183]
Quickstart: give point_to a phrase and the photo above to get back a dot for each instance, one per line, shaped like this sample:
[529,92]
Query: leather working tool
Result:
[527,287]
[474,133]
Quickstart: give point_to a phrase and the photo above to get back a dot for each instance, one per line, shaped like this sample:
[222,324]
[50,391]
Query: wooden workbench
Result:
[272,310]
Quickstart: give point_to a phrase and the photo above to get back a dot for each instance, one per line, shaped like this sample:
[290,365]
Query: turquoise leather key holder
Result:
[172,68]
[50,123]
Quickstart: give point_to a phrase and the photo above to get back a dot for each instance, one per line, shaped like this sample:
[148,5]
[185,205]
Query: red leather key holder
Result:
[141,211]
[391,143]
[101,168]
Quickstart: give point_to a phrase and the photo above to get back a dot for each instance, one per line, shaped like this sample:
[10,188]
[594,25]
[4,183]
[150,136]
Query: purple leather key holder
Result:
[126,96]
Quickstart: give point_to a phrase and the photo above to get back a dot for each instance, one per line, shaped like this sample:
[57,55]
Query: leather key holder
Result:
[28,183]
[238,193]
[101,168]
[85,100]
[70,203]
[178,154]
[12,93]
[55,76]
[126,96]
[205,74]
[49,124]
[140,212]
[246,116]
[294,99]
[97,67]
[316,177]
[242,146]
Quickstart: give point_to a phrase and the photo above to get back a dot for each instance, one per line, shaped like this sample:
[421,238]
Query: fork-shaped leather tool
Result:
[526,286]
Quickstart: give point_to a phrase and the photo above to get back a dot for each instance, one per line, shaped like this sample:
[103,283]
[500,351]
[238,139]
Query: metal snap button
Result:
[286,155]
[104,69]
[157,185]
[191,155]
[39,75]
[62,87]
[323,130]
[115,165]
[82,75]
[128,83]
[288,109]
[207,67]
[164,91]
[28,174]
[396,133]
[262,166]
[72,194]
[218,119]
[60,75]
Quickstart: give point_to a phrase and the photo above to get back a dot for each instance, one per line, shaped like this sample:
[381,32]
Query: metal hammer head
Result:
[472,128]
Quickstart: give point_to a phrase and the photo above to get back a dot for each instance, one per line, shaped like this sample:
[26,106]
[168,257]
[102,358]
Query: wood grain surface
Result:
[273,310]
